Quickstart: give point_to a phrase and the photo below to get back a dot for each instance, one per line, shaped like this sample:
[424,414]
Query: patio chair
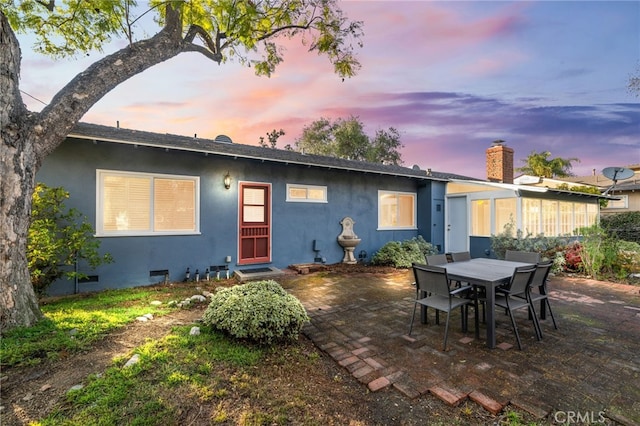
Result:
[538,291]
[460,256]
[522,256]
[479,292]
[516,295]
[434,291]
[436,259]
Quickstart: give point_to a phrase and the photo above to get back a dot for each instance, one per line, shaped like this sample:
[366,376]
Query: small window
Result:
[622,203]
[306,193]
[146,204]
[396,210]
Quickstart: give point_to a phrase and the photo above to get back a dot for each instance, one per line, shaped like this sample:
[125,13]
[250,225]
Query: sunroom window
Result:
[505,213]
[481,217]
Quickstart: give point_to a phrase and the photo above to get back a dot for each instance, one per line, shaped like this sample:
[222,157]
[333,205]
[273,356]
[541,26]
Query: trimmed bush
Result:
[260,311]
[403,254]
[512,239]
[625,226]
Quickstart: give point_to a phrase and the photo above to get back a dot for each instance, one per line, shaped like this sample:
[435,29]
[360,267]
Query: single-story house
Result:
[167,207]
[161,204]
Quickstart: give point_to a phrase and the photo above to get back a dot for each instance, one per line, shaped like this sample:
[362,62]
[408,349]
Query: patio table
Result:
[487,273]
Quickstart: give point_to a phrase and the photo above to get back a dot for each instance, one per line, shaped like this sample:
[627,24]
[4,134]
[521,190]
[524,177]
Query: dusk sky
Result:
[450,76]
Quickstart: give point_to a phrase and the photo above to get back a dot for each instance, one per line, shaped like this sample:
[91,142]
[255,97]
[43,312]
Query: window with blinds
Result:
[146,204]
[396,210]
[306,193]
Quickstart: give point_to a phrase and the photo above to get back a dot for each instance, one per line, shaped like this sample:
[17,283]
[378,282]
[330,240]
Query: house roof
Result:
[603,182]
[98,132]
[521,189]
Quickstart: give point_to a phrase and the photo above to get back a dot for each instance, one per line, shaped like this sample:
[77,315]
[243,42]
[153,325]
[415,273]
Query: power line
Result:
[33,97]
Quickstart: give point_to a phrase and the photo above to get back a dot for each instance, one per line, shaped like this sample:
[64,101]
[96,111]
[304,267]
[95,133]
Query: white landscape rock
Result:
[145,318]
[75,388]
[195,331]
[132,361]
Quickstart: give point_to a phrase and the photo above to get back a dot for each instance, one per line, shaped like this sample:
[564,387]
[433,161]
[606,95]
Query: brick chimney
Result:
[499,162]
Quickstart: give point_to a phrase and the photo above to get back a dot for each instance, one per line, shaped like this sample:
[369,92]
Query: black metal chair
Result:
[479,292]
[538,291]
[516,295]
[436,259]
[522,256]
[460,256]
[433,290]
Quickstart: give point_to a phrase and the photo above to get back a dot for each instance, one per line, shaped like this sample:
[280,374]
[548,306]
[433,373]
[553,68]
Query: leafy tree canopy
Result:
[539,164]
[272,138]
[345,138]
[219,29]
[587,189]
[634,83]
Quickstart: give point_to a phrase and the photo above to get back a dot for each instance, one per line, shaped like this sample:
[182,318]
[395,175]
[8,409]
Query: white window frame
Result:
[622,203]
[101,174]
[415,210]
[291,199]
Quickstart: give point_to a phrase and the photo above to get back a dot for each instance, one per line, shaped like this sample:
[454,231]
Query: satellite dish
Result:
[223,139]
[616,174]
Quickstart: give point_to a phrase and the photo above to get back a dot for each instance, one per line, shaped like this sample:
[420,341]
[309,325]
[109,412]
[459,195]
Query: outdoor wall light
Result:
[227,181]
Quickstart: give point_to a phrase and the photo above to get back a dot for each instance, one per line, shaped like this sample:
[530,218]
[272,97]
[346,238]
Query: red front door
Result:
[255,223]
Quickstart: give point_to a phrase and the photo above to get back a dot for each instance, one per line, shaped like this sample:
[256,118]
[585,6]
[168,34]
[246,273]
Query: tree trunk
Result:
[18,302]
[27,138]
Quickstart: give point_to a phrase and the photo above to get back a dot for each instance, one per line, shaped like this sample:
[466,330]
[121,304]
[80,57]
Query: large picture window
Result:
[146,204]
[396,210]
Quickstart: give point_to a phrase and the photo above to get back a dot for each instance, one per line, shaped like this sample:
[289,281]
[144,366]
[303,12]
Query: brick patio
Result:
[590,365]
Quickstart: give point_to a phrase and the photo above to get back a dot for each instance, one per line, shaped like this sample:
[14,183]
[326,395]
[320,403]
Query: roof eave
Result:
[77,135]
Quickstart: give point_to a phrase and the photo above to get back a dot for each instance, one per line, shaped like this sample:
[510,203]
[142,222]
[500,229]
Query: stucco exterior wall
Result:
[295,226]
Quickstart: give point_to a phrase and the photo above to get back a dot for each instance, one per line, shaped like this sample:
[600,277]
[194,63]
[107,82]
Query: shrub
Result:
[630,256]
[625,226]
[548,247]
[573,258]
[260,311]
[57,239]
[605,255]
[403,254]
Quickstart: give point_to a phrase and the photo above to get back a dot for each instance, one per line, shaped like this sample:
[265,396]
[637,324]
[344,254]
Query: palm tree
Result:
[539,164]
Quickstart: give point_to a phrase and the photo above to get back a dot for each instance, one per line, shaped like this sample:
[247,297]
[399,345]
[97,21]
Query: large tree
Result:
[345,138]
[539,164]
[248,31]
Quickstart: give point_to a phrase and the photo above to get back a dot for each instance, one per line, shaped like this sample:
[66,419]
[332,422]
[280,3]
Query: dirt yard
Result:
[30,394]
